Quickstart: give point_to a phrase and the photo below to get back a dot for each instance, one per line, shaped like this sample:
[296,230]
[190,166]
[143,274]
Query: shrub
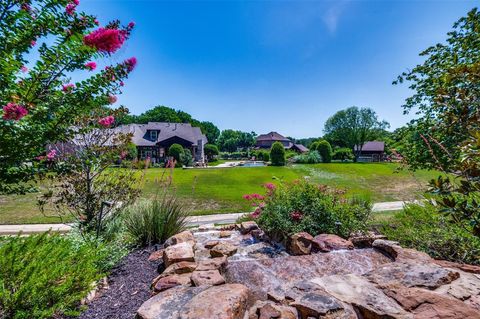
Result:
[426,229]
[311,157]
[325,150]
[277,154]
[45,276]
[211,151]
[262,155]
[176,151]
[343,154]
[303,206]
[154,221]
[186,158]
[313,146]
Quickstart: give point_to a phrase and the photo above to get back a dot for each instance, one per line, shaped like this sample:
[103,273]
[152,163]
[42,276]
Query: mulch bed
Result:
[129,286]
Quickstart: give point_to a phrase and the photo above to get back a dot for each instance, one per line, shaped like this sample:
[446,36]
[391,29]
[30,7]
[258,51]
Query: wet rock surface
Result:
[230,274]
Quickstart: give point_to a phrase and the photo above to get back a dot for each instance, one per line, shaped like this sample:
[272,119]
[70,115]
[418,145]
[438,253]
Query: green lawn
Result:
[211,191]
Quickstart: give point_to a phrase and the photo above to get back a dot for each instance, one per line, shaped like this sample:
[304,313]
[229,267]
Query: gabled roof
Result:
[301,148]
[141,135]
[373,146]
[272,136]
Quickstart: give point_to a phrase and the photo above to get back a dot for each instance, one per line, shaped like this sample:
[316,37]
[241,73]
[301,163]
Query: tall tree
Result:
[231,140]
[42,42]
[446,96]
[354,126]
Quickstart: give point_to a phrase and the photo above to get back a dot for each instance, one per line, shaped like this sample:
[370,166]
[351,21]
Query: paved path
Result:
[192,221]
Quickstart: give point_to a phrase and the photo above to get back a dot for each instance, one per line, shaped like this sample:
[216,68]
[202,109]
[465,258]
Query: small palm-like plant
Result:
[152,222]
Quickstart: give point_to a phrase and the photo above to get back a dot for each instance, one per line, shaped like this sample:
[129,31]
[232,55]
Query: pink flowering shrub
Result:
[68,87]
[301,206]
[106,121]
[106,40]
[131,63]
[13,111]
[112,99]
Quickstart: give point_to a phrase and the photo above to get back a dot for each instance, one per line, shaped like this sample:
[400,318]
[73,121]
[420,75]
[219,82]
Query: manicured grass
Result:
[212,191]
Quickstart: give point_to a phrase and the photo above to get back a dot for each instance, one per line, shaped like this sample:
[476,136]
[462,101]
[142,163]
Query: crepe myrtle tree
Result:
[42,44]
[85,185]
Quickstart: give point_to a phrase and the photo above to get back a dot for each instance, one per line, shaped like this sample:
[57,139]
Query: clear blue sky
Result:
[275,65]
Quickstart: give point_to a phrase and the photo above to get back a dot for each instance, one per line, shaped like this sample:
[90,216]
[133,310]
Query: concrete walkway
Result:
[192,221]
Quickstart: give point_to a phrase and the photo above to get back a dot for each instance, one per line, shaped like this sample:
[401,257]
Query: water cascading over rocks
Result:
[238,274]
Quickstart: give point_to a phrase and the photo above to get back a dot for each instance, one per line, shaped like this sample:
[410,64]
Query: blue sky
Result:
[275,65]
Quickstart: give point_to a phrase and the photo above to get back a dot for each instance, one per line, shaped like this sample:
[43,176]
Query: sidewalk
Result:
[192,221]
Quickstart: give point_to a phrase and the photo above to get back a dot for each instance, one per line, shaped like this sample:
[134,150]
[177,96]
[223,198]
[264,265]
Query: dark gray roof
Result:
[165,131]
[373,146]
[301,148]
[272,136]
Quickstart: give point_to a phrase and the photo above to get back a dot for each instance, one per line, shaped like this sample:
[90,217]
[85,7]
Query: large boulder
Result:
[167,282]
[428,276]
[248,226]
[183,237]
[181,267]
[167,304]
[426,304]
[300,244]
[212,264]
[207,277]
[367,299]
[218,302]
[365,240]
[398,253]
[223,249]
[177,253]
[327,242]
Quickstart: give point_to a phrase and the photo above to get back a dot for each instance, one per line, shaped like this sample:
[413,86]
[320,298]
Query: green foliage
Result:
[303,206]
[354,126]
[132,152]
[211,151]
[312,157]
[45,276]
[152,222]
[343,154]
[50,42]
[231,140]
[277,154]
[262,155]
[325,150]
[446,94]
[314,146]
[186,158]
[425,229]
[176,151]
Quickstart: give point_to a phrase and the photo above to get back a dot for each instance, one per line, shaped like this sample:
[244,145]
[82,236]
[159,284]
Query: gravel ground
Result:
[129,286]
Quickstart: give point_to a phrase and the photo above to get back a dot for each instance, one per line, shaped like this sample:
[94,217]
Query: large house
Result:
[266,141]
[154,139]
[373,151]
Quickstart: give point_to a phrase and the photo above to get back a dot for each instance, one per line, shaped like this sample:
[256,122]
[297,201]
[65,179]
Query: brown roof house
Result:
[266,141]
[373,151]
[154,139]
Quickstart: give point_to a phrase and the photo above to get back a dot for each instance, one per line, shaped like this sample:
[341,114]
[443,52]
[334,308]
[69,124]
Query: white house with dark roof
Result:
[154,138]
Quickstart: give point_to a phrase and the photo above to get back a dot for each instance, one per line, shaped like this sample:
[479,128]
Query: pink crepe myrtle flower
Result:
[130,63]
[24,69]
[76,2]
[256,213]
[96,22]
[13,111]
[247,197]
[112,99]
[91,65]
[106,121]
[121,83]
[68,87]
[26,7]
[296,215]
[70,8]
[51,154]
[270,186]
[33,43]
[105,40]
[131,25]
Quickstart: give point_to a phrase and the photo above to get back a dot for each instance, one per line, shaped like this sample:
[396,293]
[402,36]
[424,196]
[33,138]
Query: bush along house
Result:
[265,141]
[155,138]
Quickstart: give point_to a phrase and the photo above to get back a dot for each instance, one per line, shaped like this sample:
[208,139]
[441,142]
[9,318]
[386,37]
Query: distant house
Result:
[373,151]
[265,141]
[154,139]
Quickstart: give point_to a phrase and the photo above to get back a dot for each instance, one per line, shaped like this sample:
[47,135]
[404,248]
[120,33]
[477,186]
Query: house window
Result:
[153,135]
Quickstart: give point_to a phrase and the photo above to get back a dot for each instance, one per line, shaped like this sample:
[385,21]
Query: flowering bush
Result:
[42,43]
[303,206]
[312,157]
